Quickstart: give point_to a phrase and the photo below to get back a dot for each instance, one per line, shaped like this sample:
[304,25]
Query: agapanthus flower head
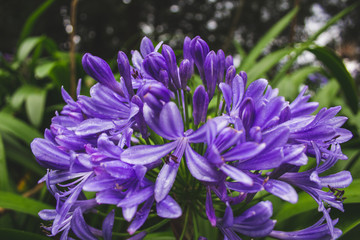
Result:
[152,141]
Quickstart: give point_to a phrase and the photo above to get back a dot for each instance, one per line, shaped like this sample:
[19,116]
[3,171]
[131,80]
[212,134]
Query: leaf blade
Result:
[267,39]
[21,204]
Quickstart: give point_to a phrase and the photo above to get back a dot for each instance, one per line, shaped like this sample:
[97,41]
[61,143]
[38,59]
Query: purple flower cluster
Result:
[163,140]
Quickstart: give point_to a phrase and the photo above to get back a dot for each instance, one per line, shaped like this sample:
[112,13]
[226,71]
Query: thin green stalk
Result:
[185,223]
[217,102]
[148,230]
[186,110]
[196,231]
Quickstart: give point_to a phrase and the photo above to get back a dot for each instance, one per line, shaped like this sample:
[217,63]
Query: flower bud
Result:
[230,74]
[185,72]
[229,61]
[146,46]
[98,69]
[124,69]
[211,70]
[199,49]
[170,60]
[221,65]
[200,103]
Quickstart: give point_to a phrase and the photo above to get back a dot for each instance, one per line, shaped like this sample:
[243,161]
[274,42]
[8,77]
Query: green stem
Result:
[196,232]
[217,102]
[185,223]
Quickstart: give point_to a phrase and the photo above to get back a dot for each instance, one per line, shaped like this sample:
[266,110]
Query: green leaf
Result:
[60,74]
[326,94]
[35,105]
[16,152]
[240,50]
[4,179]
[348,220]
[14,234]
[30,22]
[21,204]
[306,203]
[332,21]
[337,68]
[18,128]
[20,95]
[43,70]
[290,84]
[27,46]
[267,39]
[302,47]
[266,63]
[161,236]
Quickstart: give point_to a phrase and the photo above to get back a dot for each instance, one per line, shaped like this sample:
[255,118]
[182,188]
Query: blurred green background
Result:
[291,43]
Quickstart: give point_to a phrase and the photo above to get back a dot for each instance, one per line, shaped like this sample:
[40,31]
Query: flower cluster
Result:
[164,140]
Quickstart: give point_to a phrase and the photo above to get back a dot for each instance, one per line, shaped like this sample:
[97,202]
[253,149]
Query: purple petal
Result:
[227,138]
[146,46]
[228,61]
[230,74]
[170,59]
[199,166]
[256,89]
[140,216]
[109,196]
[238,88]
[129,212]
[47,214]
[247,112]
[264,161]
[200,135]
[277,137]
[338,180]
[236,174]
[165,180]
[244,151]
[168,208]
[136,59]
[221,65]
[171,122]
[185,72]
[228,216]
[199,49]
[240,187]
[227,92]
[138,236]
[345,135]
[136,197]
[79,226]
[322,132]
[108,224]
[49,155]
[200,104]
[118,169]
[94,125]
[211,73]
[71,142]
[209,208]
[281,189]
[255,221]
[98,69]
[146,154]
[151,118]
[124,69]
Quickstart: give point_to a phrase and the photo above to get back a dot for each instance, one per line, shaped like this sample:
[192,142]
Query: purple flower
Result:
[126,143]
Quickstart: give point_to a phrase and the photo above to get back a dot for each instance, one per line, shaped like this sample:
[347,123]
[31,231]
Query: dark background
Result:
[106,26]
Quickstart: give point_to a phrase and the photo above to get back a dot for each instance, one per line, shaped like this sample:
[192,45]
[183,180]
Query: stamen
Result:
[337,193]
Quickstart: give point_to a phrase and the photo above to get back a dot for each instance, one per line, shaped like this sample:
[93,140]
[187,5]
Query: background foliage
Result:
[268,39]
